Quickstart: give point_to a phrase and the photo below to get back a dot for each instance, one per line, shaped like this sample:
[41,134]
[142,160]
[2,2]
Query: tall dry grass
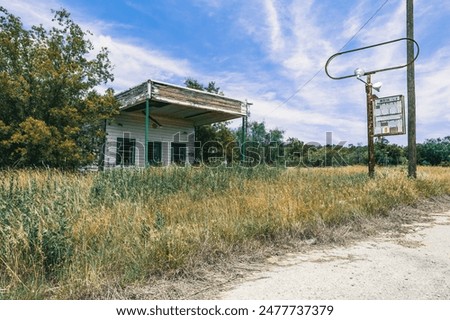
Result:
[67,235]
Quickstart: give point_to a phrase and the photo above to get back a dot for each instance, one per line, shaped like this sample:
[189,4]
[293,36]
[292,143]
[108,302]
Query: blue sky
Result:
[272,53]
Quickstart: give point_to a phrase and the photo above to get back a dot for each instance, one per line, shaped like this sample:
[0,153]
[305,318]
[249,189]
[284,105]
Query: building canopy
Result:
[171,101]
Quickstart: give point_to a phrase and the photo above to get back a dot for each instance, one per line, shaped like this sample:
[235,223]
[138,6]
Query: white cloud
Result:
[353,22]
[432,88]
[277,42]
[297,42]
[133,62]
[32,13]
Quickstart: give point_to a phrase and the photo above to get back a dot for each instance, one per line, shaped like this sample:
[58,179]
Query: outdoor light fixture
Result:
[377,86]
[359,72]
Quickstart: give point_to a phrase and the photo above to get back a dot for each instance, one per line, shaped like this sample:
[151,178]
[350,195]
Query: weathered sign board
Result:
[389,116]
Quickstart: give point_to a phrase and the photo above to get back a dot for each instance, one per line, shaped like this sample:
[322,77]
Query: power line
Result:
[365,24]
[317,73]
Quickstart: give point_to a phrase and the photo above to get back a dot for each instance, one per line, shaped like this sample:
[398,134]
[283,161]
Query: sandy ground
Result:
[415,265]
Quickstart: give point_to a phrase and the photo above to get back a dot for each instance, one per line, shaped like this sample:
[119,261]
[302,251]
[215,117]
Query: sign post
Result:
[389,124]
[370,127]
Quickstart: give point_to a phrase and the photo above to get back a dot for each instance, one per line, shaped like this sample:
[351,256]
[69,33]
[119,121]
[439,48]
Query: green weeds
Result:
[72,236]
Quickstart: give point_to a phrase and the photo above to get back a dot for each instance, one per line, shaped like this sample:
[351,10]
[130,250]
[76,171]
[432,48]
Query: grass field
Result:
[76,236]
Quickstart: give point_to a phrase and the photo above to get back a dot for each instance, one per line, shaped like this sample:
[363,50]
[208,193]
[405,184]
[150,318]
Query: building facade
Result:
[157,121]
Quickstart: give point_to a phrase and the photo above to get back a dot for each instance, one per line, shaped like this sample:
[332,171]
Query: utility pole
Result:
[412,152]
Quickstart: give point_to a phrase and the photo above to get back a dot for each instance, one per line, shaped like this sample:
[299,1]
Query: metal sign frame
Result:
[389,116]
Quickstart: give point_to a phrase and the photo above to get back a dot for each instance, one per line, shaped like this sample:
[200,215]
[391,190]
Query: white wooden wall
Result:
[132,125]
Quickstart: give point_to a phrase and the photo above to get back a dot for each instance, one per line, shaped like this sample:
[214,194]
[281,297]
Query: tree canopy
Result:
[434,152]
[50,112]
[215,141]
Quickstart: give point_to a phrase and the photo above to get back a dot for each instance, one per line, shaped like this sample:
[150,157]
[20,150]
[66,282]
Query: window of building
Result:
[178,153]
[155,153]
[125,154]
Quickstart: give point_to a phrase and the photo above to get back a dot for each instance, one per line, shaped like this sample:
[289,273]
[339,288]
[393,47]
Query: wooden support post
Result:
[370,128]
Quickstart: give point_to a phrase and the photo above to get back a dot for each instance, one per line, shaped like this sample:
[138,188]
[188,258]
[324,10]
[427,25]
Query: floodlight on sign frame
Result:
[360,72]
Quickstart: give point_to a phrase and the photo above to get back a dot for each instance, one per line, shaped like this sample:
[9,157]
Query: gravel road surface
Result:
[413,266]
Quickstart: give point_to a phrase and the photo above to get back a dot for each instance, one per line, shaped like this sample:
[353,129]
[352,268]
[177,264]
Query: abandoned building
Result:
[157,121]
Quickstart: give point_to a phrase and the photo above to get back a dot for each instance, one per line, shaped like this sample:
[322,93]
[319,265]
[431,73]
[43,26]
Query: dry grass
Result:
[72,236]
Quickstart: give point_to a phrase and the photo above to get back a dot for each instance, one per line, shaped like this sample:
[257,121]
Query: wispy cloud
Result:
[135,63]
[291,35]
[274,28]
[35,13]
[433,84]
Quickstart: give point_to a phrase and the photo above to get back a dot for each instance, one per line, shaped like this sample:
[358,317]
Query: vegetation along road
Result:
[176,233]
[415,265]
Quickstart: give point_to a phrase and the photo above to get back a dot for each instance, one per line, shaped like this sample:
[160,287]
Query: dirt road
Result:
[413,266]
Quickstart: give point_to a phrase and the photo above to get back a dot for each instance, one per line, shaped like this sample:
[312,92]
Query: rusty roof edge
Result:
[149,83]
[196,90]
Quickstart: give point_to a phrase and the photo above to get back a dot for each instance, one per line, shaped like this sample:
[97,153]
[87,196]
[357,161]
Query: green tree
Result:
[50,113]
[387,153]
[194,84]
[216,142]
[266,144]
[293,151]
[434,152]
[356,155]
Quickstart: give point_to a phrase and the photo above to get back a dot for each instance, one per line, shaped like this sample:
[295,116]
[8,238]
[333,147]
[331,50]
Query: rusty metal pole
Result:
[370,128]
[412,152]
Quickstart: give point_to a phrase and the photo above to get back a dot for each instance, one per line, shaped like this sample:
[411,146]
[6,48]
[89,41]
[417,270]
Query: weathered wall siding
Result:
[132,125]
